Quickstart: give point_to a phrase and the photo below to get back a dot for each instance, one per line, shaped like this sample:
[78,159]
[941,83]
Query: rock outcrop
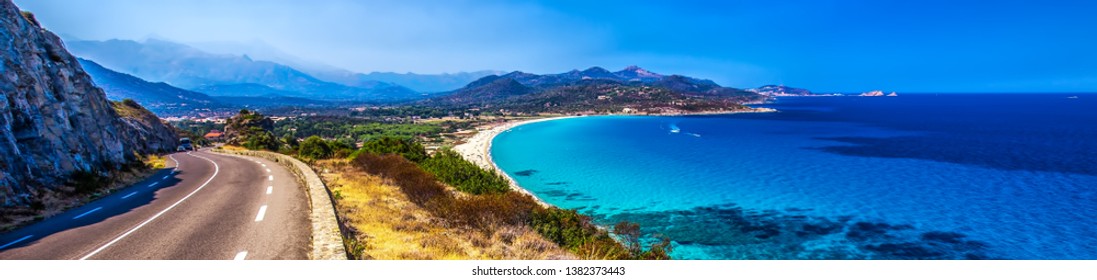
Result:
[53,120]
[873,93]
[878,93]
[145,132]
[251,130]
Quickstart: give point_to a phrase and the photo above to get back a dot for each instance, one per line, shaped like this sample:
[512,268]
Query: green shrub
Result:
[466,176]
[314,148]
[407,148]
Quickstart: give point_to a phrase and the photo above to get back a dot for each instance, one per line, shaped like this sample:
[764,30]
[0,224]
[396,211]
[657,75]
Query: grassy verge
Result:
[383,222]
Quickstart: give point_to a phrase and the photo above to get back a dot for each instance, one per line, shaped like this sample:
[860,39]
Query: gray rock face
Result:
[53,120]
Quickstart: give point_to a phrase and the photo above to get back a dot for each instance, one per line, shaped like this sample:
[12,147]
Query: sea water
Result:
[949,176]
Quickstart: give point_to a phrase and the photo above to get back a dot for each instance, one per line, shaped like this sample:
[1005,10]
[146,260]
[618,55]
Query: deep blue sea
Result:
[949,176]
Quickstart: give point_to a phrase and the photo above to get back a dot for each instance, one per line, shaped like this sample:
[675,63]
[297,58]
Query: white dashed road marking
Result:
[16,241]
[129,195]
[216,169]
[86,213]
[240,256]
[270,189]
[262,213]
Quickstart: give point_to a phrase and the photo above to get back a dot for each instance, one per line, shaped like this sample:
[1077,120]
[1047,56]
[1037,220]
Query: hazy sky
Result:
[919,46]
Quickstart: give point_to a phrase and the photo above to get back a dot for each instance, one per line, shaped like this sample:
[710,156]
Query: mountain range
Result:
[425,83]
[161,98]
[169,101]
[190,81]
[596,90]
[190,68]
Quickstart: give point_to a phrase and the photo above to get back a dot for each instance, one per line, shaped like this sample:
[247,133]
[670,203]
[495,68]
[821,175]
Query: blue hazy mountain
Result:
[169,101]
[160,98]
[428,83]
[242,90]
[190,68]
[269,101]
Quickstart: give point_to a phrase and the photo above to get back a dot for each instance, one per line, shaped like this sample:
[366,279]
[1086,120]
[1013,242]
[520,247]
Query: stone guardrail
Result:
[327,241]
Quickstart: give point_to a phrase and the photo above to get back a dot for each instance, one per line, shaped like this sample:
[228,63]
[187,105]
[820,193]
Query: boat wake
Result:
[674,128]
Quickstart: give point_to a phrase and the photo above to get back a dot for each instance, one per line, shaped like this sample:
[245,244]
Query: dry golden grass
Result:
[233,148]
[386,225]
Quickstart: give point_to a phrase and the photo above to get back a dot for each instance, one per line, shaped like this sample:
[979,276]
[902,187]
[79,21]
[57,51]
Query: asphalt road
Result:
[204,206]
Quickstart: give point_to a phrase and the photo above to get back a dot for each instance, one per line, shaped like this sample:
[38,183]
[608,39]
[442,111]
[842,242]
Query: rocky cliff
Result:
[53,120]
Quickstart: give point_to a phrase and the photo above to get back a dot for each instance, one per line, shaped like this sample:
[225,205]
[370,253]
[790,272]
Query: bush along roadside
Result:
[485,203]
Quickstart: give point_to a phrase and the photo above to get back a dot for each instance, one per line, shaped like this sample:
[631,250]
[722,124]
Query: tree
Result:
[630,233]
[410,150]
[314,147]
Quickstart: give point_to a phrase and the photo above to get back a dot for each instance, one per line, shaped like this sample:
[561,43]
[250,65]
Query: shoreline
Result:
[477,148]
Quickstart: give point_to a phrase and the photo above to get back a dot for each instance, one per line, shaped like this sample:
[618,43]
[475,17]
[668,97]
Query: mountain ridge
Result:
[190,68]
[596,90]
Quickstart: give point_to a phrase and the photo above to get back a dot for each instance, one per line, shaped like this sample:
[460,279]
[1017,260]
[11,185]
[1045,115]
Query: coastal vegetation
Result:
[380,221]
[484,202]
[407,148]
[451,168]
[353,129]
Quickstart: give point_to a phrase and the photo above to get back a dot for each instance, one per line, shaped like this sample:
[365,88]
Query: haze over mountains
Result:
[425,83]
[167,100]
[189,68]
[174,79]
[258,64]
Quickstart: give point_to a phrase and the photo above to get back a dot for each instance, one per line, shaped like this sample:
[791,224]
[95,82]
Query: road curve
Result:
[204,206]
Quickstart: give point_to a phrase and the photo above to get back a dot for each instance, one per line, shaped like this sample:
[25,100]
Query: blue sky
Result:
[849,46]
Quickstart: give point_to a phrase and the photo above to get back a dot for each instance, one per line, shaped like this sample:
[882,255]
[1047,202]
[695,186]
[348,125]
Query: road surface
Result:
[204,206]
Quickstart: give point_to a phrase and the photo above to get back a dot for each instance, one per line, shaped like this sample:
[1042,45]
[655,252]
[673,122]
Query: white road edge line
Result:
[172,157]
[129,195]
[216,169]
[262,213]
[240,256]
[16,241]
[270,189]
[86,213]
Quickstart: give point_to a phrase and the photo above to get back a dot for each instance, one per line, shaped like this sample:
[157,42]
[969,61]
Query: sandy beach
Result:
[477,149]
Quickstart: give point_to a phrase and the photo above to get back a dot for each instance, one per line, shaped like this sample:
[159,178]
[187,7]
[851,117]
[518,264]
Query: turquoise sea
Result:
[919,176]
